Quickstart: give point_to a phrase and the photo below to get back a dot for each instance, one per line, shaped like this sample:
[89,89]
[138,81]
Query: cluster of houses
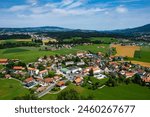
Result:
[74,67]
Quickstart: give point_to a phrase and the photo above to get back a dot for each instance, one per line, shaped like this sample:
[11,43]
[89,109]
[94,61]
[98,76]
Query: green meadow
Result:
[31,54]
[9,89]
[122,92]
[103,39]
[143,55]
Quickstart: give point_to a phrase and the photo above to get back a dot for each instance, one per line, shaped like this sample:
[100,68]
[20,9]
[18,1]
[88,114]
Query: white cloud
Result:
[121,9]
[17,8]
[67,2]
[77,11]
[74,5]
[32,2]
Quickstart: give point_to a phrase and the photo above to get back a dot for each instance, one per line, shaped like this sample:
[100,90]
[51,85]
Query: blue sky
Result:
[77,14]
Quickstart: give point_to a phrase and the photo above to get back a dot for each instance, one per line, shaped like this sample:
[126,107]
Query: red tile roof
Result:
[18,68]
[146,79]
[78,80]
[60,83]
[43,71]
[3,60]
[48,80]
[28,80]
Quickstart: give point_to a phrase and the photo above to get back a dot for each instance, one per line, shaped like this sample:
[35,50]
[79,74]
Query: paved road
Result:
[47,90]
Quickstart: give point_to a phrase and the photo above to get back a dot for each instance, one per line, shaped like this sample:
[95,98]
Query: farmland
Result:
[16,40]
[10,88]
[143,54]
[30,54]
[126,50]
[122,92]
[102,39]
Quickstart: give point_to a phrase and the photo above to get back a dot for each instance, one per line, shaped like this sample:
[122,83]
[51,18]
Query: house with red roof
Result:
[29,82]
[33,71]
[48,81]
[43,73]
[60,84]
[78,80]
[18,68]
[129,74]
[3,61]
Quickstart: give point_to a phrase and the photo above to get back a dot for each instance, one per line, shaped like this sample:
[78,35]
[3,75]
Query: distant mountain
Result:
[141,29]
[35,29]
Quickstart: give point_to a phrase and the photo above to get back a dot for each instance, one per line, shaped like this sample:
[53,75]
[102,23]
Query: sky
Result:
[75,14]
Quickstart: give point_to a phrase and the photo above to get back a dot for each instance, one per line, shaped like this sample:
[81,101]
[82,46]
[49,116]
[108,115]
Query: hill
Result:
[35,29]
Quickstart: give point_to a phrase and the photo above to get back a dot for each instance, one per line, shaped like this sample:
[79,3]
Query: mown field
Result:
[143,55]
[126,50]
[9,89]
[31,54]
[122,92]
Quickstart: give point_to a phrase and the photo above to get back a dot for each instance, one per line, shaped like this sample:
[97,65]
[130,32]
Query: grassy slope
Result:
[30,54]
[124,92]
[10,88]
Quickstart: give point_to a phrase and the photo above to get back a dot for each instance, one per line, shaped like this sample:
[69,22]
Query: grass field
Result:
[123,92]
[103,39]
[126,50]
[30,54]
[16,40]
[144,54]
[10,88]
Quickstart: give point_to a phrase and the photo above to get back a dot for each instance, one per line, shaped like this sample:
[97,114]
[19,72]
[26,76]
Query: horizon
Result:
[75,14]
[74,28]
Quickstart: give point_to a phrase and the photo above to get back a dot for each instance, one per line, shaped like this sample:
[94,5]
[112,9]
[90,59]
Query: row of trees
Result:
[72,94]
[15,36]
[78,33]
[115,81]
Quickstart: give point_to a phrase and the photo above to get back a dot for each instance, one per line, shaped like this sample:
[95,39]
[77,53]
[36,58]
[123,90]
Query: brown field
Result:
[145,64]
[125,50]
[50,39]
[16,40]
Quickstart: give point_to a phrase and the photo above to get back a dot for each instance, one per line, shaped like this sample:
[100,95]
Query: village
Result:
[54,73]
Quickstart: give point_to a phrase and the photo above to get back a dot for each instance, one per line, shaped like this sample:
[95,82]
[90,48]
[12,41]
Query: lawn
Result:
[30,54]
[10,88]
[122,92]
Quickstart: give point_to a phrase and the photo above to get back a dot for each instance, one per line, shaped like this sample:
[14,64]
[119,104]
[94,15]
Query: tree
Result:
[68,95]
[127,81]
[91,73]
[27,97]
[68,83]
[137,79]
[51,74]
[41,67]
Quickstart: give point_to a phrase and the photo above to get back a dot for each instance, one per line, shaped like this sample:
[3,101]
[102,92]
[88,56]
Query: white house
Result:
[33,71]
[43,73]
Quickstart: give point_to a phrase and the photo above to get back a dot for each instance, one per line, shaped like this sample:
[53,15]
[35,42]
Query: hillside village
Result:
[54,73]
